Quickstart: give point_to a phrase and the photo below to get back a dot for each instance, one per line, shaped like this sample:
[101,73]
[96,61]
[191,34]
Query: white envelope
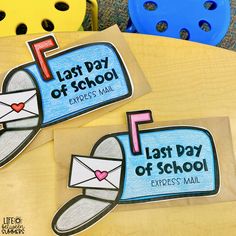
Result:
[18,105]
[101,173]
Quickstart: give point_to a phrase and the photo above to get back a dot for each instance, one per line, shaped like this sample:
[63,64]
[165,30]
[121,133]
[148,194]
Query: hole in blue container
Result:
[150,6]
[210,5]
[184,34]
[204,25]
[162,26]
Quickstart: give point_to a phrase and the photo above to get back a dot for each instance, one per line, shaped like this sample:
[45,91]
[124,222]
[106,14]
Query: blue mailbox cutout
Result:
[170,162]
[176,162]
[85,78]
[55,88]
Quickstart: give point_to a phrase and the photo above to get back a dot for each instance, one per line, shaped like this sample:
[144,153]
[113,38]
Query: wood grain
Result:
[188,80]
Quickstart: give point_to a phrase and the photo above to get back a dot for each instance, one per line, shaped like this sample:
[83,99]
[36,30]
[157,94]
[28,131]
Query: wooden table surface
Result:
[188,80]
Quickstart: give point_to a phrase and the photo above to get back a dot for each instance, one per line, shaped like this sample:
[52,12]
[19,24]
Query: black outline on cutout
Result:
[106,210]
[35,129]
[33,53]
[128,114]
[89,109]
[78,229]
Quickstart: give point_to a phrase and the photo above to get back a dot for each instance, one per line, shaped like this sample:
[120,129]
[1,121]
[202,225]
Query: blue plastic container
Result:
[196,20]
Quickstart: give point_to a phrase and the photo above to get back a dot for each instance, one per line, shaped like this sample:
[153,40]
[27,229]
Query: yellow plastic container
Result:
[25,16]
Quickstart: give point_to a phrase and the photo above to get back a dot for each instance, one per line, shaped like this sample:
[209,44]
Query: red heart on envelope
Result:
[101,175]
[17,107]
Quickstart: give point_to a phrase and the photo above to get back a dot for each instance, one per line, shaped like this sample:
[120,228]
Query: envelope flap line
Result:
[83,164]
[83,181]
[5,104]
[14,110]
[6,114]
[30,112]
[114,169]
[30,98]
[112,184]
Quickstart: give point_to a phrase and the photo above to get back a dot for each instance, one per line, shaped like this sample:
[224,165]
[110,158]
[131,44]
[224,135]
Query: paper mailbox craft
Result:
[61,86]
[139,166]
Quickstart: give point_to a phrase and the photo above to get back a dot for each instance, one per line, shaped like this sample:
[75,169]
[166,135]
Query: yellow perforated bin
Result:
[27,16]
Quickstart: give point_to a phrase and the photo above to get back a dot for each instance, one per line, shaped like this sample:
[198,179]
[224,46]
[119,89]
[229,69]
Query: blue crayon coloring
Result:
[175,162]
[84,78]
